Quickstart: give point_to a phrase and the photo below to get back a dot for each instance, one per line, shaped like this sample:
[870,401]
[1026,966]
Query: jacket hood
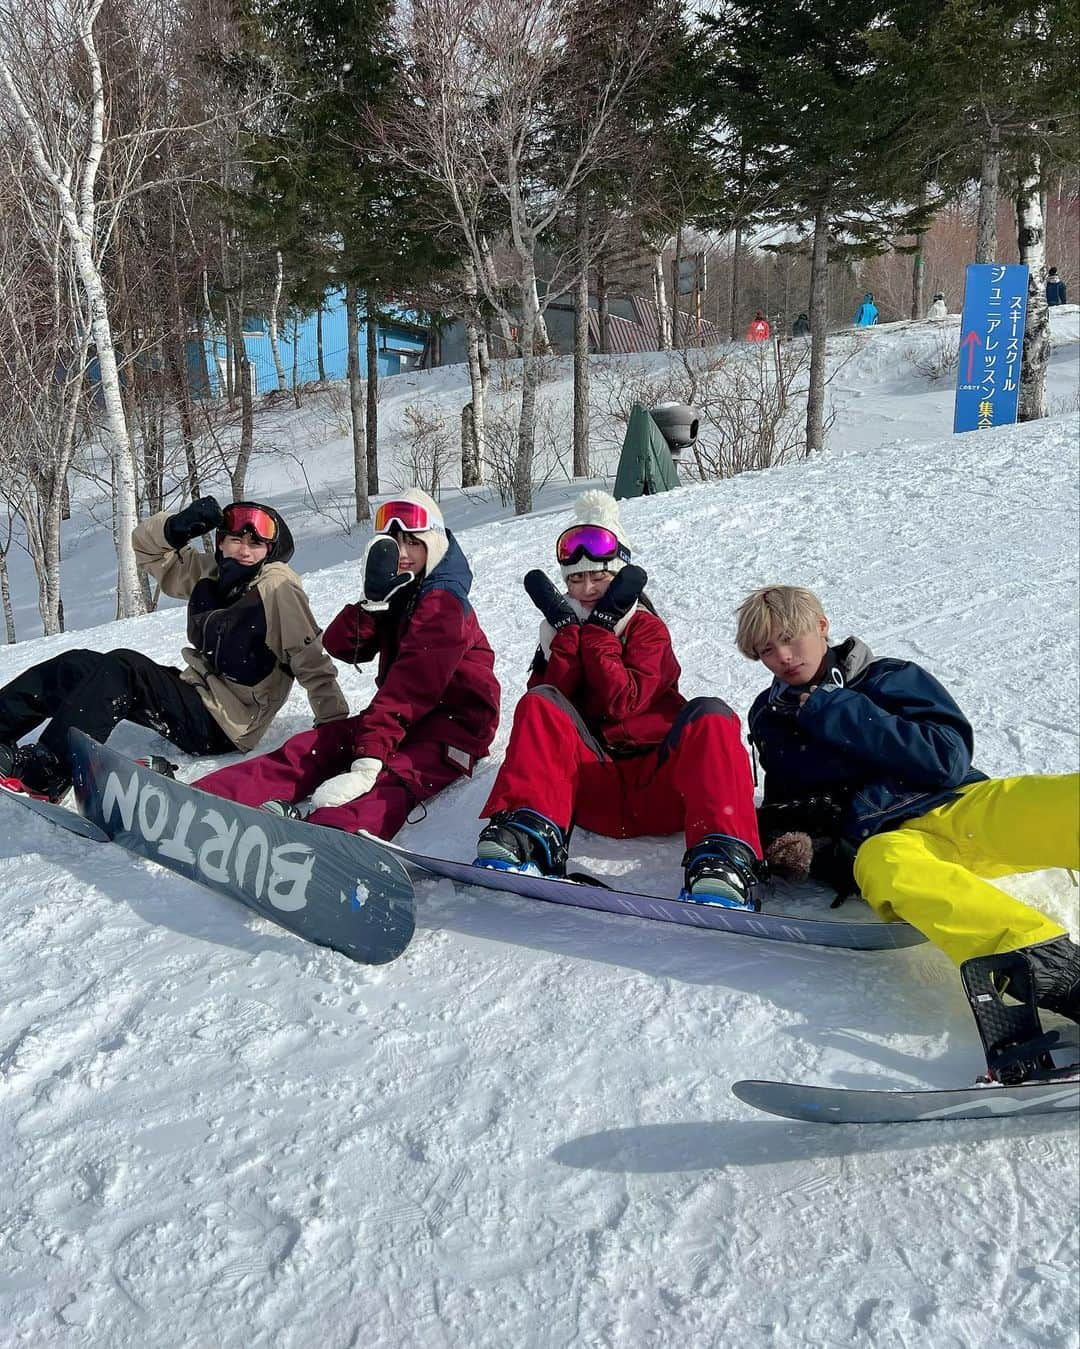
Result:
[282,549]
[453,573]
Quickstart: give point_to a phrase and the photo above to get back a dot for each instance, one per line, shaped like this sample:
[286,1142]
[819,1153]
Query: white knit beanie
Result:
[434,539]
[598,508]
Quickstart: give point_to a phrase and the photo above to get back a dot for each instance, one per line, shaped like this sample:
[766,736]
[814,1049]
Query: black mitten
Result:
[619,598]
[200,517]
[554,606]
[382,580]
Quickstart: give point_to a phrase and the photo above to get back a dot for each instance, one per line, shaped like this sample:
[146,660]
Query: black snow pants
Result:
[96,690]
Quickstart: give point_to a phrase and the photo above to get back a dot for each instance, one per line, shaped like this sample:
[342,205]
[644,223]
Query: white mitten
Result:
[338,791]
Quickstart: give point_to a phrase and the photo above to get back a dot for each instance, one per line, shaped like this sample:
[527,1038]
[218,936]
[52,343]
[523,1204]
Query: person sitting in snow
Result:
[251,633]
[938,309]
[603,737]
[873,758]
[759,330]
[867,315]
[436,706]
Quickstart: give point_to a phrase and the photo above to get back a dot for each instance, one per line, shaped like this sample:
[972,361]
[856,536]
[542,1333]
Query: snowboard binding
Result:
[1017,1047]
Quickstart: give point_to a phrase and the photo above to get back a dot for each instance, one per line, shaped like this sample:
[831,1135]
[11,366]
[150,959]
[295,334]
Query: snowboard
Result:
[838,1105]
[331,888]
[55,814]
[868,936]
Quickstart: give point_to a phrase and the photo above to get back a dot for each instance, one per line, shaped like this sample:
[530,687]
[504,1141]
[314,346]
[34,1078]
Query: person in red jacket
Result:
[759,330]
[436,708]
[603,737]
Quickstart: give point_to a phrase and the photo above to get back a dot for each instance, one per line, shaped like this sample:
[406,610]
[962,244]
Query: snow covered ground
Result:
[521,1133]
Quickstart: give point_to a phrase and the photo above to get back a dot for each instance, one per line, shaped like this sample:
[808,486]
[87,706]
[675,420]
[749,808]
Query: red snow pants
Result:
[697,780]
[416,771]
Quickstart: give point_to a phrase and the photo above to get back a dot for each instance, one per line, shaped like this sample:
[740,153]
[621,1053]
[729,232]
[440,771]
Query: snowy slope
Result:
[521,1132]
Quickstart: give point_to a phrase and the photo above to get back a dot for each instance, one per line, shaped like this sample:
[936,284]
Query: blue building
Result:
[401,346]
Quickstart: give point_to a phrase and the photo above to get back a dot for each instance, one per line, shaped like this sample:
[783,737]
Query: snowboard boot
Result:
[7,759]
[285,810]
[1053,968]
[522,840]
[39,771]
[722,870]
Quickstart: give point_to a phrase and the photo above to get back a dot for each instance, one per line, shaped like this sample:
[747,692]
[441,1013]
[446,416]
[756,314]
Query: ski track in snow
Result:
[520,1133]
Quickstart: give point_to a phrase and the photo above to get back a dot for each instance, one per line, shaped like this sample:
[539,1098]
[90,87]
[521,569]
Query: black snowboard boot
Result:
[522,840]
[7,759]
[285,809]
[1054,970]
[722,870]
[40,772]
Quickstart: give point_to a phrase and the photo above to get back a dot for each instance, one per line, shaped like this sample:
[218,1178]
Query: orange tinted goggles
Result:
[240,518]
[407,515]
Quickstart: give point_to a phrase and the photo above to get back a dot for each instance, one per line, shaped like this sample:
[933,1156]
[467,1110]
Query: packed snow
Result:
[521,1132]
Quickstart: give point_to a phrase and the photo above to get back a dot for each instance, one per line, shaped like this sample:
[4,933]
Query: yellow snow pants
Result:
[928,870]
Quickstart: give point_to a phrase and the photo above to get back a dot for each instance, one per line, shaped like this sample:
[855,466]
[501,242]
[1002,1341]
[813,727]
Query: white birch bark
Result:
[275,301]
[663,309]
[473,447]
[1031,241]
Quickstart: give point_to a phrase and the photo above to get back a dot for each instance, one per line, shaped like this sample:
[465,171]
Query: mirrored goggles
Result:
[592,541]
[407,515]
[240,518]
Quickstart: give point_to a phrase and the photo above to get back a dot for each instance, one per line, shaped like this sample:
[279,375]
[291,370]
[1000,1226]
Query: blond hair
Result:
[775,609]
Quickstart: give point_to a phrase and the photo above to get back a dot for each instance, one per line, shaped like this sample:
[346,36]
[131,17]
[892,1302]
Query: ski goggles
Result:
[592,541]
[407,515]
[240,518]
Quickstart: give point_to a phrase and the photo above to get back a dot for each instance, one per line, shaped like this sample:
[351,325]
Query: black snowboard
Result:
[329,887]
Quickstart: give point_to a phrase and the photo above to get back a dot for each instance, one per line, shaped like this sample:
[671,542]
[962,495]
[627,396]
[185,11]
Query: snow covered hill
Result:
[521,1133]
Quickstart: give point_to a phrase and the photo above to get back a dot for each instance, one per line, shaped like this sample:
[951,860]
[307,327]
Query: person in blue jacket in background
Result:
[874,756]
[867,315]
[1055,288]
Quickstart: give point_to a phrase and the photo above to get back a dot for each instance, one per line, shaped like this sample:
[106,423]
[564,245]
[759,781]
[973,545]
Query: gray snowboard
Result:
[67,819]
[832,1105]
[329,887]
[868,936]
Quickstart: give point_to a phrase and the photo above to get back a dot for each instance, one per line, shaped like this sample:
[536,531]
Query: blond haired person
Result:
[887,747]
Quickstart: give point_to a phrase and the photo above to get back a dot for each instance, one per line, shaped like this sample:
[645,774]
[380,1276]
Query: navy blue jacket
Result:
[881,736]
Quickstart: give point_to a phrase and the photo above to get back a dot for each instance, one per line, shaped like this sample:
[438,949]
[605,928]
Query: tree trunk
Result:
[663,313]
[372,396]
[473,448]
[603,312]
[530,380]
[296,357]
[275,348]
[356,405]
[819,318]
[677,335]
[736,298]
[505,335]
[581,344]
[1031,239]
[986,228]
[5,596]
[176,361]
[918,262]
[319,359]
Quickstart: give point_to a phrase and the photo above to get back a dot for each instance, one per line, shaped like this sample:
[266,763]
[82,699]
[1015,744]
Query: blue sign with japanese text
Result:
[991,346]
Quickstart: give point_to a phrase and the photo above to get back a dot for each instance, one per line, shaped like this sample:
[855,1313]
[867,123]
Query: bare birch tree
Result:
[55,104]
[482,104]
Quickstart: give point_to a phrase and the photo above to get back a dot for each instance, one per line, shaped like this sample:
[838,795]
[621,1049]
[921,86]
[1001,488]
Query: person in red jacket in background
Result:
[603,737]
[436,708]
[759,330]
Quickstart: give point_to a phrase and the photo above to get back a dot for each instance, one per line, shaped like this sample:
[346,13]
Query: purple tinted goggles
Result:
[592,541]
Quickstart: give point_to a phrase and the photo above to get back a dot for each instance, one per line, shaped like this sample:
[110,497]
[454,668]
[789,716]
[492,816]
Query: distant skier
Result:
[868,314]
[436,705]
[938,309]
[603,737]
[251,633]
[873,759]
[759,330]
[1055,288]
[801,326]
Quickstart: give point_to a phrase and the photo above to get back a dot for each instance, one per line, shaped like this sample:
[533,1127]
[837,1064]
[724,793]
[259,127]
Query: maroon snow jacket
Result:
[436,676]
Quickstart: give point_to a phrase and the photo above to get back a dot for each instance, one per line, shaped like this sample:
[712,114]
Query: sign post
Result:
[991,346]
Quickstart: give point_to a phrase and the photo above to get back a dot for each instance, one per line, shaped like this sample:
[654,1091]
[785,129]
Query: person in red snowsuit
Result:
[603,737]
[759,330]
[436,708]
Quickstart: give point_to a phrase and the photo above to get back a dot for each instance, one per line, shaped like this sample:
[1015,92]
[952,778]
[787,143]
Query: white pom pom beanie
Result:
[598,508]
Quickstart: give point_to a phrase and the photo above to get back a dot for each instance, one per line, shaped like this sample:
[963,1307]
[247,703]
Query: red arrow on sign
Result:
[971,341]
